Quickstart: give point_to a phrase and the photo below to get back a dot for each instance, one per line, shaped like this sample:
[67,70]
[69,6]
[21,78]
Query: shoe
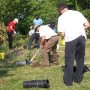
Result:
[68,84]
[78,81]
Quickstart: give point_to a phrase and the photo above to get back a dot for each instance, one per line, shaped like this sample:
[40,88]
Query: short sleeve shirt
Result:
[71,22]
[37,22]
[46,31]
[11,24]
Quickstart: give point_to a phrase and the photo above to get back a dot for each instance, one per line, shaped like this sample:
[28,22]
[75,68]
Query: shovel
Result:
[27,62]
[31,61]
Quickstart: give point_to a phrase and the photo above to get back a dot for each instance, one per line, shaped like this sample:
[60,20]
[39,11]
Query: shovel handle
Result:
[35,55]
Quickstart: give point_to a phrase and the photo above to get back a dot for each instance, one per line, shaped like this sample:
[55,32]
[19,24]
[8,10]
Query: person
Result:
[11,29]
[72,25]
[37,20]
[48,39]
[33,36]
[52,25]
[31,30]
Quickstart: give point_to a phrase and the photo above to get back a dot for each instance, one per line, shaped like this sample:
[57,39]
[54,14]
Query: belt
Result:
[54,36]
[51,37]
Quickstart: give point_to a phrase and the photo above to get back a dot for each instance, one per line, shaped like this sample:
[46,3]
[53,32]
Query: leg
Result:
[80,53]
[31,39]
[70,49]
[37,40]
[10,39]
[51,42]
[55,56]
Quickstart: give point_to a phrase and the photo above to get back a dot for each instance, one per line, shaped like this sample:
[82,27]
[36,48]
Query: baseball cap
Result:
[16,20]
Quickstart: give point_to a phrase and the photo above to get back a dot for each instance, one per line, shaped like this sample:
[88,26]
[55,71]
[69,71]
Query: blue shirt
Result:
[37,22]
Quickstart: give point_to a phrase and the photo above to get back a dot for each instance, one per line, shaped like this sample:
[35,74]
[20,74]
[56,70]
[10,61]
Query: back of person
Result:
[73,20]
[72,25]
[44,29]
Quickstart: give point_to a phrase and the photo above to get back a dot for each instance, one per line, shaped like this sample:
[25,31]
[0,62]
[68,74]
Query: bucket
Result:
[36,84]
[20,63]
[23,62]
[2,55]
[62,42]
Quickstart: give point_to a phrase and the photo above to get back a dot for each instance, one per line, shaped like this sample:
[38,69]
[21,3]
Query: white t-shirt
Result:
[71,22]
[46,31]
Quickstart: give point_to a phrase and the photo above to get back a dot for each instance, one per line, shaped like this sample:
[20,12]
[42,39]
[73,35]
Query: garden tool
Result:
[31,61]
[27,62]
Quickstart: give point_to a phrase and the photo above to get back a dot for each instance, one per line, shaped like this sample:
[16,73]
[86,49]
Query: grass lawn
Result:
[13,76]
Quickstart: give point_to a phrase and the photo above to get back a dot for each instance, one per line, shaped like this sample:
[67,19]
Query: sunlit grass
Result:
[12,76]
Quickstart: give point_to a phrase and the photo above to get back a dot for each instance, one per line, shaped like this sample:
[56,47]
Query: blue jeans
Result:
[34,36]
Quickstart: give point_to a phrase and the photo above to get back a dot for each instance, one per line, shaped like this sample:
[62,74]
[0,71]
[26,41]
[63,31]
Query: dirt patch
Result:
[36,64]
[3,81]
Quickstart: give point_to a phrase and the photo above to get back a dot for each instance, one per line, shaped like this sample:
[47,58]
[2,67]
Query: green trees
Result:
[25,10]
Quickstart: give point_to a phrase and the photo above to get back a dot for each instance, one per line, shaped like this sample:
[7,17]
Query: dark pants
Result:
[74,50]
[10,39]
[35,37]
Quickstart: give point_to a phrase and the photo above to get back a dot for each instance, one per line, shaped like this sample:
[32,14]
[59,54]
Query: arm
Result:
[86,25]
[11,27]
[42,40]
[62,35]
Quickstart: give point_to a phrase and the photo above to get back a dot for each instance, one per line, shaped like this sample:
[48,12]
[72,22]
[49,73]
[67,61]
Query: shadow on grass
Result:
[3,72]
[8,64]
[5,68]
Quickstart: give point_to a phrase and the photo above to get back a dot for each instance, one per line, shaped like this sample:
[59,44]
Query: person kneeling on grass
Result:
[49,39]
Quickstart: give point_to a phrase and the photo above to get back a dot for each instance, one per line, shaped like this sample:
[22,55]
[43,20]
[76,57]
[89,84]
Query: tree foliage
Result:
[26,10]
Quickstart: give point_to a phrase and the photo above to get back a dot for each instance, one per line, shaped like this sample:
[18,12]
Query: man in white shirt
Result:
[49,39]
[72,25]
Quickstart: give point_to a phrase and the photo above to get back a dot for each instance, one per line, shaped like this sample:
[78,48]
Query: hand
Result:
[86,25]
[14,32]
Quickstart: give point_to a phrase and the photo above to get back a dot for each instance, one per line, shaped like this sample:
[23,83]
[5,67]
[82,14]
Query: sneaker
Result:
[68,84]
